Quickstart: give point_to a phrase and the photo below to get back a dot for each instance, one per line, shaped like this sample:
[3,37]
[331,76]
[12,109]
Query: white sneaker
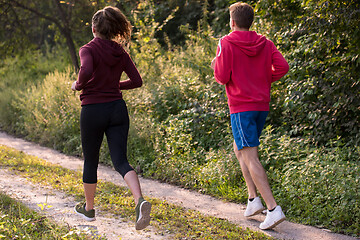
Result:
[273,218]
[254,207]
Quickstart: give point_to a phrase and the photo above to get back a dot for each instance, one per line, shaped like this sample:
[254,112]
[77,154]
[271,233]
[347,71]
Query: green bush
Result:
[320,93]
[21,72]
[315,186]
[323,189]
[49,113]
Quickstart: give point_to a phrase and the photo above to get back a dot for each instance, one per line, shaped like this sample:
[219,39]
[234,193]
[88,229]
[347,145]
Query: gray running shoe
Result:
[87,215]
[143,209]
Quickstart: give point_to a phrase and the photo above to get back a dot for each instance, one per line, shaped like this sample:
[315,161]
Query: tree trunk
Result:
[71,47]
[64,28]
[66,31]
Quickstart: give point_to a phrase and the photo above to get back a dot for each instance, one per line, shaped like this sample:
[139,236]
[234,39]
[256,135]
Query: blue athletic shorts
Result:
[247,127]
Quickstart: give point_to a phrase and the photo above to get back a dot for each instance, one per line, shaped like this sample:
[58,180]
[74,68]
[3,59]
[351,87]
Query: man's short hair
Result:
[242,14]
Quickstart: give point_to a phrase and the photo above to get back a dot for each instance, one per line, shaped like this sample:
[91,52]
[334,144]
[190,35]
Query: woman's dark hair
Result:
[112,24]
[242,14]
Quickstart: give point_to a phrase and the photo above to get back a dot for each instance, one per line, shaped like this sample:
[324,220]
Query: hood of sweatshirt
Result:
[109,51]
[249,42]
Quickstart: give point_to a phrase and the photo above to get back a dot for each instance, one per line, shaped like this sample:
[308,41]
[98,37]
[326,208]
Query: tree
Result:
[320,95]
[68,17]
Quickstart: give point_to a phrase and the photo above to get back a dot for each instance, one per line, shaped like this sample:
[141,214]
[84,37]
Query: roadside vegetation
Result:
[166,218]
[180,128]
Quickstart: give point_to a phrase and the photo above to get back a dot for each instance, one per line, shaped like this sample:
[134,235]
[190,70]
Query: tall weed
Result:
[49,113]
[17,73]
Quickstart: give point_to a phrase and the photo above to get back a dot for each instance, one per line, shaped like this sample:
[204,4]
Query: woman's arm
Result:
[131,71]
[86,69]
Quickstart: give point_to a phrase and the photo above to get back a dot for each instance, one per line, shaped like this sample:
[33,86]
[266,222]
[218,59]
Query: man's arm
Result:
[279,65]
[222,64]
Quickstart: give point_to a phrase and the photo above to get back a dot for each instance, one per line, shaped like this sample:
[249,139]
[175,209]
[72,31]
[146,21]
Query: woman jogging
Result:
[103,60]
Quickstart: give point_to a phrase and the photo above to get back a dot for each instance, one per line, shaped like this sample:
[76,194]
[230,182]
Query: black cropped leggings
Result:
[112,119]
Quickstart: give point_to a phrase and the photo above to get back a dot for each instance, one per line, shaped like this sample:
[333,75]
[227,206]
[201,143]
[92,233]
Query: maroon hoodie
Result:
[102,63]
[247,63]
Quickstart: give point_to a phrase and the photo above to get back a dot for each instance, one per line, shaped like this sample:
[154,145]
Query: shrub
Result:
[21,72]
[319,94]
[315,186]
[49,113]
[322,189]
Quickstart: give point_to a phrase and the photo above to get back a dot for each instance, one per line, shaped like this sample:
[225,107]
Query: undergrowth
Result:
[18,73]
[117,200]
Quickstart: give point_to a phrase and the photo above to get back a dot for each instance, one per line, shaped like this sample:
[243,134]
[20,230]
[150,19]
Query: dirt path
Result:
[58,206]
[176,195]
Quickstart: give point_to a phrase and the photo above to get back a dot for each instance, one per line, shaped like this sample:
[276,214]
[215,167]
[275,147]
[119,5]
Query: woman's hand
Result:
[213,63]
[73,86]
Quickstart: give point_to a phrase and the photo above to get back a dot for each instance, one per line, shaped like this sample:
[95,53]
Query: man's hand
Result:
[213,63]
[73,86]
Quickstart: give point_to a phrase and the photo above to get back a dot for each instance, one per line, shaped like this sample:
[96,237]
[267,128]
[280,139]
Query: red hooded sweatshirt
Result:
[247,63]
[102,63]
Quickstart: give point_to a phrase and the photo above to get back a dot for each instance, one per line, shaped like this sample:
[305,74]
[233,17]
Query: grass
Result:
[166,218]
[19,222]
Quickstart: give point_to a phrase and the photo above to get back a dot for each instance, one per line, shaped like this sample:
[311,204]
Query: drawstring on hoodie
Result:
[219,48]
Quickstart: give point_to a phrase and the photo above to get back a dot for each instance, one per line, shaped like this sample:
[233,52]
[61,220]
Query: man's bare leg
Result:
[249,156]
[246,174]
